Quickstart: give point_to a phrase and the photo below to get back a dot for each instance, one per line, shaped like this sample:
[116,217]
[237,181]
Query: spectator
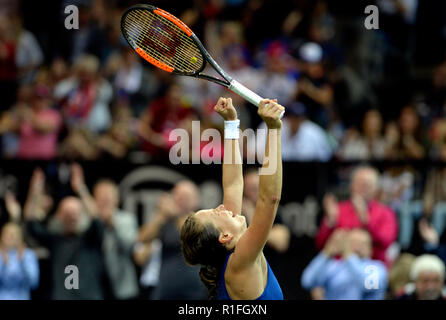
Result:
[13,207]
[162,116]
[397,19]
[228,46]
[134,82]
[10,119]
[224,38]
[166,224]
[406,140]
[19,268]
[120,138]
[39,201]
[302,139]
[148,258]
[120,232]
[84,98]
[437,135]
[29,55]
[91,38]
[399,274]
[313,88]
[397,186]
[274,79]
[432,241]
[8,68]
[72,246]
[434,199]
[368,145]
[39,127]
[354,277]
[361,211]
[423,221]
[427,273]
[58,71]
[36,198]
[437,96]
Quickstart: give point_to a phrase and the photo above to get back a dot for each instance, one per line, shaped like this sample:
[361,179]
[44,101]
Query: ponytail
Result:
[209,276]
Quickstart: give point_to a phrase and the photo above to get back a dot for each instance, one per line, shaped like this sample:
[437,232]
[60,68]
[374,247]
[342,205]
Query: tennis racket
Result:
[166,42]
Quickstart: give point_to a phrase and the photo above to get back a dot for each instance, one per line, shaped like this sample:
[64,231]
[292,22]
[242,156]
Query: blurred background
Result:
[85,176]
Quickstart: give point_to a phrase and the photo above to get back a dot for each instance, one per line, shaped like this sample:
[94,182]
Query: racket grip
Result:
[247,94]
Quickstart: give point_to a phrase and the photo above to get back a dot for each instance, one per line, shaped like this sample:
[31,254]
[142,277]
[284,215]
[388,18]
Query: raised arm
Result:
[232,162]
[78,185]
[13,207]
[34,207]
[34,210]
[253,240]
[166,210]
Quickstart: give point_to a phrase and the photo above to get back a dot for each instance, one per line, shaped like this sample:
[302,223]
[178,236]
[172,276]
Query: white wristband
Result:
[232,129]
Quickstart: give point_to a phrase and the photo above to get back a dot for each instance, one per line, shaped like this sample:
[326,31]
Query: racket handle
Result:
[247,94]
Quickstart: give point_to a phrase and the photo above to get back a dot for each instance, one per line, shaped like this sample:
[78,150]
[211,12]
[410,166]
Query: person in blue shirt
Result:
[231,254]
[19,268]
[344,270]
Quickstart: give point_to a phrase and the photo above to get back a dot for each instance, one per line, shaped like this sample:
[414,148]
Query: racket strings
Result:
[163,40]
[162,49]
[177,64]
[144,39]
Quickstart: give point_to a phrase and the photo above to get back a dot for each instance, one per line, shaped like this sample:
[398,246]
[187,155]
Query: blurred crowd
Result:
[369,251]
[83,246]
[365,249]
[350,94]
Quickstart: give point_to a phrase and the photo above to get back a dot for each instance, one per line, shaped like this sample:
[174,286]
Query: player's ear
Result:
[225,237]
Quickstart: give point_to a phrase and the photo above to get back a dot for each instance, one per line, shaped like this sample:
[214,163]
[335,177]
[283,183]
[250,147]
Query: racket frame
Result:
[227,81]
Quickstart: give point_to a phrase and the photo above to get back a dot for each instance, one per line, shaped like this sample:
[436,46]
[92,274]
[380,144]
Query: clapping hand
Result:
[37,182]
[428,233]
[361,208]
[166,207]
[77,178]
[336,243]
[13,207]
[331,209]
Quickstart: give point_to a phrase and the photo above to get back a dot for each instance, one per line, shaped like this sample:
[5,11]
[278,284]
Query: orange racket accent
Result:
[180,24]
[155,62]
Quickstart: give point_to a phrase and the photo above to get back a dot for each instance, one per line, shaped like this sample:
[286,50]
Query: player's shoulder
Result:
[242,279]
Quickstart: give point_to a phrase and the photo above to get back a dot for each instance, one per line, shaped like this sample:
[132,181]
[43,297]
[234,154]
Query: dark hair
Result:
[200,245]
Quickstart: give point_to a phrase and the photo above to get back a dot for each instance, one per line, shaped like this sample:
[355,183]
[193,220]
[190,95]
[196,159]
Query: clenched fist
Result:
[225,108]
[270,111]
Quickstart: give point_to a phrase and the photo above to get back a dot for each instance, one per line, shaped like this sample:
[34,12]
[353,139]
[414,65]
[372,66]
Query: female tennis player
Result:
[231,254]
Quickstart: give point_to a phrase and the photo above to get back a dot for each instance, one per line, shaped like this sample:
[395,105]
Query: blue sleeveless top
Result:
[272,289]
